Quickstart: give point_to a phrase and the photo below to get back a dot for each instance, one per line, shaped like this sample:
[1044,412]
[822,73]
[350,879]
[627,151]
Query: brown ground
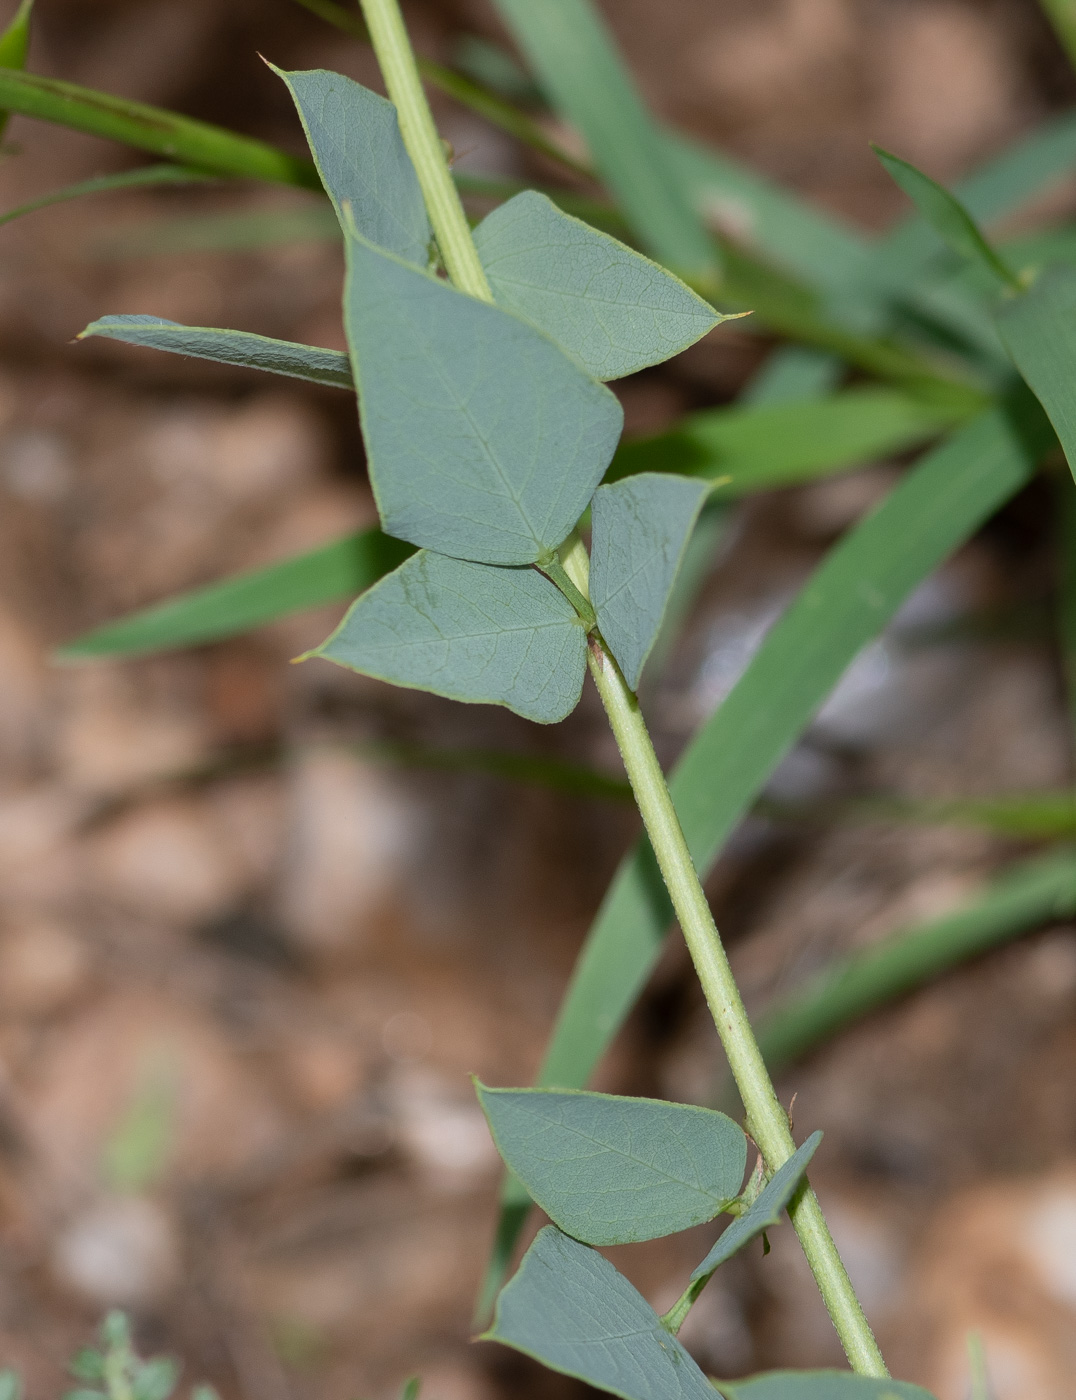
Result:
[293,965]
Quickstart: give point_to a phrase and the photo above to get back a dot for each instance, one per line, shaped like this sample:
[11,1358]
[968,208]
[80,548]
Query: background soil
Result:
[238,1009]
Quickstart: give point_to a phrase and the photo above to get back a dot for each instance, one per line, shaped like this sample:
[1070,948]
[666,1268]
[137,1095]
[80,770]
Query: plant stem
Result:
[400,71]
[767,1121]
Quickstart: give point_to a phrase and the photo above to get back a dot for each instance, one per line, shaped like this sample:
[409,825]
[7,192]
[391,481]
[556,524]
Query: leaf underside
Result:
[614,1170]
[355,140]
[611,309]
[641,527]
[765,1213]
[568,1307]
[484,440]
[309,362]
[470,632]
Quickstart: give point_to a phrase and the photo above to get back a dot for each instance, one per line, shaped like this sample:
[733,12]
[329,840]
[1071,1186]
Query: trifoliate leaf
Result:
[484,440]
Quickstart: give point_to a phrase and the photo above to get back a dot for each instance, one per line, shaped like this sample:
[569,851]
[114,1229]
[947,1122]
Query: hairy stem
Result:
[400,71]
[767,1121]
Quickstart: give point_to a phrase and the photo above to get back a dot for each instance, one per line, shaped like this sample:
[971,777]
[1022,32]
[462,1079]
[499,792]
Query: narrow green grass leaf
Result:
[182,139]
[613,1170]
[577,64]
[569,1308]
[484,440]
[758,213]
[607,306]
[14,44]
[792,373]
[758,447]
[215,233]
[1065,556]
[640,529]
[538,770]
[1025,896]
[309,362]
[765,1213]
[946,215]
[325,575]
[819,1385]
[148,175]
[357,147]
[1039,331]
[849,599]
[471,632]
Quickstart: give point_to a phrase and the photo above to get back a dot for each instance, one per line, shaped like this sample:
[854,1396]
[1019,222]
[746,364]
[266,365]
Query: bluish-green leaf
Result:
[577,63]
[484,440]
[948,217]
[765,1213]
[569,1308]
[308,362]
[1039,331]
[470,632]
[356,144]
[324,575]
[612,1170]
[607,306]
[819,1385]
[641,526]
[10,1385]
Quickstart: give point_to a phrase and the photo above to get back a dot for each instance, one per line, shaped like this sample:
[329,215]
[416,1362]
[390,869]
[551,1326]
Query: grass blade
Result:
[1024,897]
[1039,331]
[182,139]
[308,362]
[576,62]
[325,575]
[14,44]
[947,216]
[850,598]
[779,444]
[147,175]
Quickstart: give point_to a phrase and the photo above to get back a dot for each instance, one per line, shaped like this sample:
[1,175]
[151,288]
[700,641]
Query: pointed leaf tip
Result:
[484,440]
[611,309]
[355,140]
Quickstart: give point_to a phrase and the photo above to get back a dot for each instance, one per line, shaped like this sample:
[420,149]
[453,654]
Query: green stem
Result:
[767,1121]
[400,71]
[555,571]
